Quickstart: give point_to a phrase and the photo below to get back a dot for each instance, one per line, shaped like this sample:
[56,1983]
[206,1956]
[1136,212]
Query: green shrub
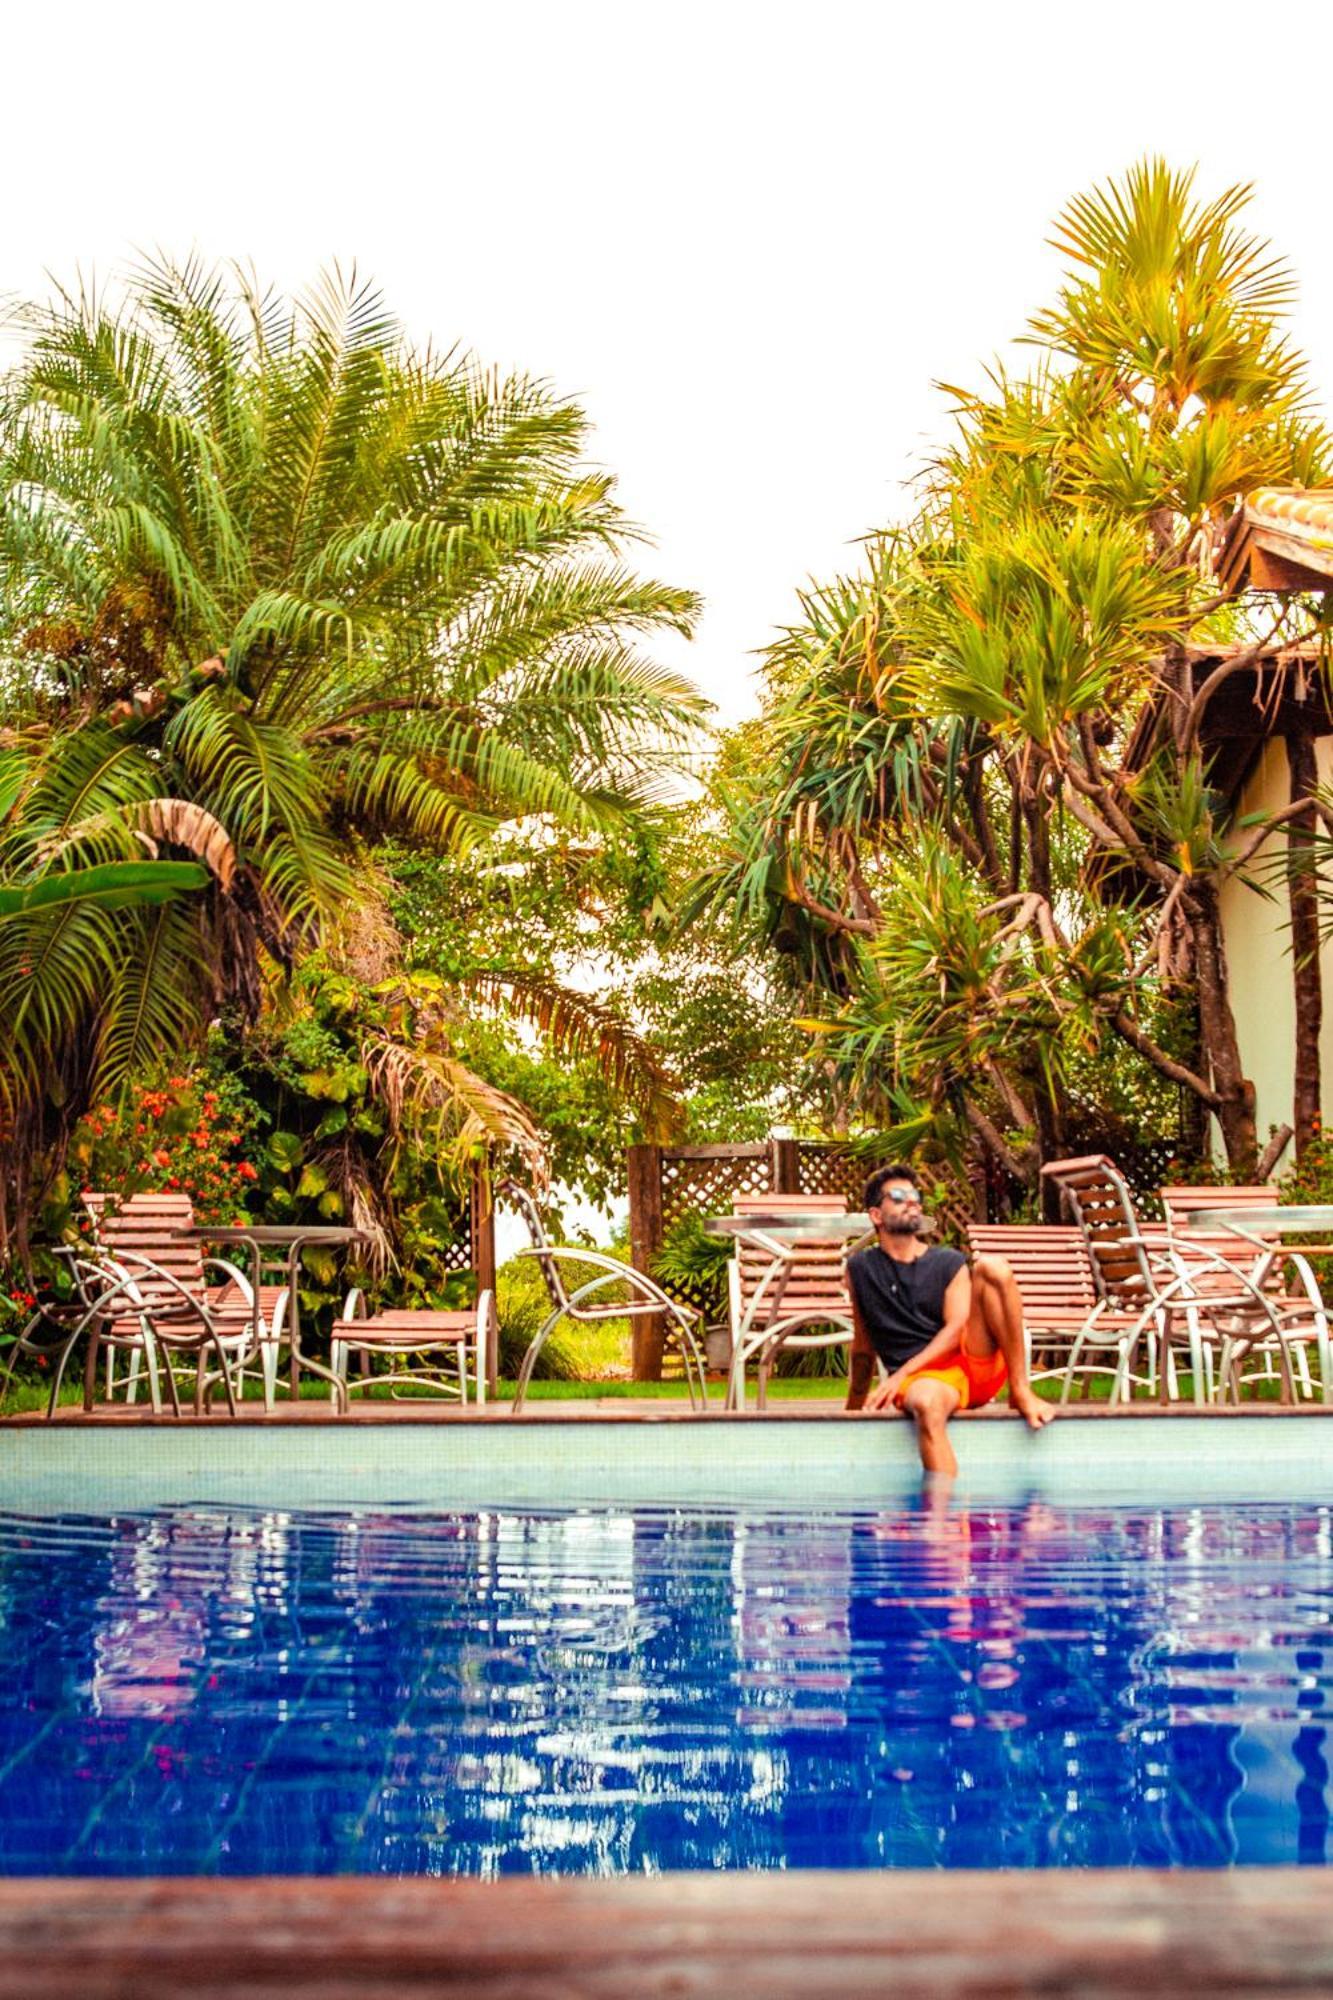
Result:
[694,1264]
[810,1363]
[523,1306]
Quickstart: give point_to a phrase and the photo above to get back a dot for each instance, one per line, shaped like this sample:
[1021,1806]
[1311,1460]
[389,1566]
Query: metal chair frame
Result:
[1267,1267]
[582,1305]
[751,1340]
[104,1282]
[140,1219]
[1162,1281]
[396,1342]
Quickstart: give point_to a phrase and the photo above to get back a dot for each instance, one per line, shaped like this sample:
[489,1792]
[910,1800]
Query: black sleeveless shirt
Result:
[902,1305]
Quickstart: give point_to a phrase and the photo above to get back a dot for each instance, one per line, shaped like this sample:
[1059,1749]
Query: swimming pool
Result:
[211,1688]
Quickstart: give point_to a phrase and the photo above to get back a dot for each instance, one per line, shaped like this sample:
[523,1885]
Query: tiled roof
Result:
[1309,516]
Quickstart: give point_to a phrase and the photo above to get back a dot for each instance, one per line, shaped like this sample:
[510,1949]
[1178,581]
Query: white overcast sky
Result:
[747,237]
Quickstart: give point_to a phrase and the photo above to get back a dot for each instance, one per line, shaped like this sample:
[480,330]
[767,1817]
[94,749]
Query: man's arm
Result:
[861,1361]
[957,1310]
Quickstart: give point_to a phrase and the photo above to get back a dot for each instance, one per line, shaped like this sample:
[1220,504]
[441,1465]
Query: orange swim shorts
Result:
[978,1380]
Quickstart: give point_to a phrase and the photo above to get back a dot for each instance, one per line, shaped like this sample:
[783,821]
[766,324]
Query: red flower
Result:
[161,1159]
[245,1172]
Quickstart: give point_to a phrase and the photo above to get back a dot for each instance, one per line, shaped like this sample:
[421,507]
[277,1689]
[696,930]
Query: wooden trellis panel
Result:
[829,1169]
[705,1180]
[667,1183]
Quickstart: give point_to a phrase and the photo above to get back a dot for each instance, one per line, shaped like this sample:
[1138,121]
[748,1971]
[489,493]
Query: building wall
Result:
[1259,959]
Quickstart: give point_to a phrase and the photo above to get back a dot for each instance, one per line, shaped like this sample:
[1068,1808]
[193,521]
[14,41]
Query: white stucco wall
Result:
[1258,946]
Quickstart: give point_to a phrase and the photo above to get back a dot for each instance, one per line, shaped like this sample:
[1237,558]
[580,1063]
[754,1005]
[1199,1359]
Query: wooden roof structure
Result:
[1281,539]
[1287,690]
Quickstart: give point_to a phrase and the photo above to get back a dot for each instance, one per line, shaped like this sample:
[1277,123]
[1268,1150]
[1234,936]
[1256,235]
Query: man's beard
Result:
[902,1225]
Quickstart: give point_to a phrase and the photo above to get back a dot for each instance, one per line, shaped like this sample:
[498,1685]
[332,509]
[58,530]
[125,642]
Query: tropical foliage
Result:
[977,825]
[275,585]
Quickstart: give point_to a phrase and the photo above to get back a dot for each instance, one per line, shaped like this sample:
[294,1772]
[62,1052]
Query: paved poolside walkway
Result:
[620,1409]
[800,1936]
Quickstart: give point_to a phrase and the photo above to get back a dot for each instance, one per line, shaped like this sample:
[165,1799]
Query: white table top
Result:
[833,1228]
[1261,1221]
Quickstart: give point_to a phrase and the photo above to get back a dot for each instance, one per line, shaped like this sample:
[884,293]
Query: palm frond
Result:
[580,1024]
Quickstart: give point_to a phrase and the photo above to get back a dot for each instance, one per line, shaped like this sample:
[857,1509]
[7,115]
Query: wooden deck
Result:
[746,1937]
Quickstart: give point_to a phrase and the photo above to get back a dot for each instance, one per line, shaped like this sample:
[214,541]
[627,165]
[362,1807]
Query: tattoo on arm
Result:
[860,1375]
[861,1362]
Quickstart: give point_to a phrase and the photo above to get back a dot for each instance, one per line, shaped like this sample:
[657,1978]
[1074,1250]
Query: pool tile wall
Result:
[554,1462]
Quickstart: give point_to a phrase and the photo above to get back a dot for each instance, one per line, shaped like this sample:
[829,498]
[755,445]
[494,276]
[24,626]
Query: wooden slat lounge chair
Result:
[1072,1333]
[784,1291]
[1171,1280]
[158,1309]
[424,1349]
[790,1204]
[1286,1277]
[1181,1204]
[160,1227]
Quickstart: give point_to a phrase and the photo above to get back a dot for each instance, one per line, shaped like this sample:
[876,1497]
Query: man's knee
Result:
[991,1270]
[931,1404]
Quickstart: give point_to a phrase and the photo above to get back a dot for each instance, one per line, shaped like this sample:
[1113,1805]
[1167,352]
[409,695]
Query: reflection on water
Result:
[207,1689]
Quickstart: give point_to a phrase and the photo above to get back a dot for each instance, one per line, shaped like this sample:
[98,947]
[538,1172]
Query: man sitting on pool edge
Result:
[950,1337]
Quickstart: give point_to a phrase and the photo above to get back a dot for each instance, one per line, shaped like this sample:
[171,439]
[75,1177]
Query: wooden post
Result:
[481,1207]
[645,1240]
[784,1165]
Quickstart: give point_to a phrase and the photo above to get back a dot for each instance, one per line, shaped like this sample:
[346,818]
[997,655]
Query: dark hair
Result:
[878,1180]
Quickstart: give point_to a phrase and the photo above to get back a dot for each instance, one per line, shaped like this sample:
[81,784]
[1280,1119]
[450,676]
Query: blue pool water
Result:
[209,1689]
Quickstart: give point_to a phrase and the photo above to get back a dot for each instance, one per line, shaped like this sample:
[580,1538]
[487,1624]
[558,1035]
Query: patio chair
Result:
[57,1322]
[574,1278]
[160,1227]
[791,1204]
[784,1291]
[1168,1280]
[1071,1333]
[425,1349]
[1282,1273]
[128,1301]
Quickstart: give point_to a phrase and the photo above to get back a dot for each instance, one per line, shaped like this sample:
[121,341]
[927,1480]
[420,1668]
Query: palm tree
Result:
[64,932]
[272,582]
[951,732]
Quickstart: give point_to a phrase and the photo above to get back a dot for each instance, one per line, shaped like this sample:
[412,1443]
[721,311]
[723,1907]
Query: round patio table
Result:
[292,1238]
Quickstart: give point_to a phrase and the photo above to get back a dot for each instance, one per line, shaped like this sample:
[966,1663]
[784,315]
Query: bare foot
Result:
[1031,1407]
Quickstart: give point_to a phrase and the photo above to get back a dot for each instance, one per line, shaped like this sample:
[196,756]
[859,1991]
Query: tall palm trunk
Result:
[1217,1024]
[1307,981]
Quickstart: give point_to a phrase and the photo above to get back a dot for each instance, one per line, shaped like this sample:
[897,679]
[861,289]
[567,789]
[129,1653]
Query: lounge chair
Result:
[1175,1279]
[585,1286]
[785,1291]
[1071,1333]
[130,1301]
[160,1228]
[1282,1273]
[425,1349]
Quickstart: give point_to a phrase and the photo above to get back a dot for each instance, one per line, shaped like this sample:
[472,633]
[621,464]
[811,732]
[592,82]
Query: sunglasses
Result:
[898,1195]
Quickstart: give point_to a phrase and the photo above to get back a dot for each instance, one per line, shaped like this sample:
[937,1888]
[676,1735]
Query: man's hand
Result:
[884,1398]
